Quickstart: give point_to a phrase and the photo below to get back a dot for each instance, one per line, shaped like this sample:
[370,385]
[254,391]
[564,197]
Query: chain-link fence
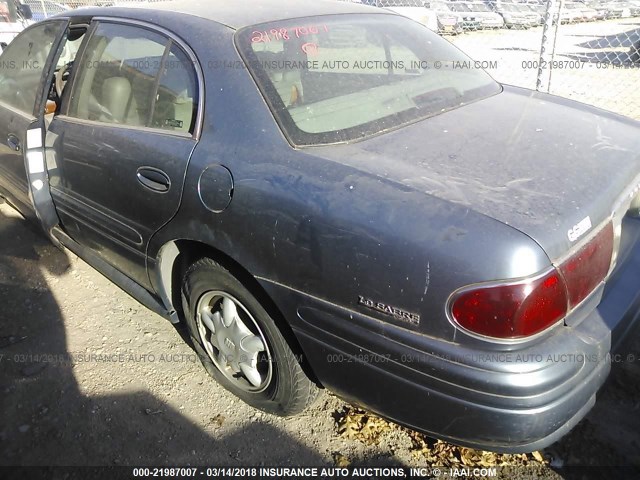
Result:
[587,50]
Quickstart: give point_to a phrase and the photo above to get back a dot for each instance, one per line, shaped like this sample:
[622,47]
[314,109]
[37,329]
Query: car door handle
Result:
[154,179]
[14,143]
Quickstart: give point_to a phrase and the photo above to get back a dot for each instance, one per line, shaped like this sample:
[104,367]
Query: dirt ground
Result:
[90,377]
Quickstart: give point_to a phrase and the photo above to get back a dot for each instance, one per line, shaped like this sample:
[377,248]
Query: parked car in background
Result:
[588,14]
[571,13]
[634,8]
[599,7]
[488,18]
[350,210]
[436,15]
[449,22]
[469,19]
[14,17]
[539,9]
[414,10]
[515,15]
[42,9]
[618,9]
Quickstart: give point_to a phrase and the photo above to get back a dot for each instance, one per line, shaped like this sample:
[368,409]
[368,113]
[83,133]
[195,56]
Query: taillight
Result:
[585,269]
[521,308]
[512,310]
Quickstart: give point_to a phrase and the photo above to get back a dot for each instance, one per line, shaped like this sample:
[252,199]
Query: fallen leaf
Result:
[340,460]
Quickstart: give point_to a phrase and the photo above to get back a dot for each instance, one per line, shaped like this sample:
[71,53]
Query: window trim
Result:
[66,94]
[172,39]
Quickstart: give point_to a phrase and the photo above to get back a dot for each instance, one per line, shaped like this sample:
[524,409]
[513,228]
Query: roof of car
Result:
[240,13]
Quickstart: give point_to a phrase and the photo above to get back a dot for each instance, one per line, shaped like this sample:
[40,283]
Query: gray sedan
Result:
[330,195]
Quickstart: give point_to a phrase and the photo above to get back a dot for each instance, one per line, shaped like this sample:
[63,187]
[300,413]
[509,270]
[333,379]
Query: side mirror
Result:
[25,11]
[3,45]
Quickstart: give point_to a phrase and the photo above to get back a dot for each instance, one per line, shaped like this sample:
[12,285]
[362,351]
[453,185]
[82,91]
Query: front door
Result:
[22,67]
[122,145]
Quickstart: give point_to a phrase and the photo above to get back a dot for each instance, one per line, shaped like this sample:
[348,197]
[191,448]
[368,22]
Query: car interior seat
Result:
[119,102]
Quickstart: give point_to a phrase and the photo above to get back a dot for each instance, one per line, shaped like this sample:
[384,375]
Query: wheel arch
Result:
[176,256]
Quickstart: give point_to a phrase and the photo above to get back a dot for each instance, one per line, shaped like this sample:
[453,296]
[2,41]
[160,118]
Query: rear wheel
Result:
[239,343]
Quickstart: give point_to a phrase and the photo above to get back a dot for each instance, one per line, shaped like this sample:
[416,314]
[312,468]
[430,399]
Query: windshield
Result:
[339,78]
[8,12]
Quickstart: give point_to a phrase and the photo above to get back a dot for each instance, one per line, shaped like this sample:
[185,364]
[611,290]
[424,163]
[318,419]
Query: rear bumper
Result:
[501,401]
[468,422]
[506,398]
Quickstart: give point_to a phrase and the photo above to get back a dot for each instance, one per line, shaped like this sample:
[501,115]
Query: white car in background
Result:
[488,18]
[571,13]
[588,14]
[413,9]
[448,21]
[14,17]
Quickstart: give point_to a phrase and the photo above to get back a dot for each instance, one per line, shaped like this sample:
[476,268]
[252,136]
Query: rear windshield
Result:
[339,78]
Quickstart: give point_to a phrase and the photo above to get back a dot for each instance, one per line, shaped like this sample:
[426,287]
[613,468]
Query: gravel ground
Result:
[62,403]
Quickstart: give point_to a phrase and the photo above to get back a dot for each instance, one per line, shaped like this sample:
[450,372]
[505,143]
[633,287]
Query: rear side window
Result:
[340,78]
[132,76]
[176,99]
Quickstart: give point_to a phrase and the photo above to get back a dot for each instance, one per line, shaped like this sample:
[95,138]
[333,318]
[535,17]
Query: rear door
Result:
[123,142]
[22,70]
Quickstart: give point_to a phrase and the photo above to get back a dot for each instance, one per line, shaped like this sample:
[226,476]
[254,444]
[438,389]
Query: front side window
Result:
[22,65]
[132,76]
[340,78]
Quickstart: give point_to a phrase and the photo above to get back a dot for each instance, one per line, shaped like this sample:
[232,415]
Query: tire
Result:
[240,345]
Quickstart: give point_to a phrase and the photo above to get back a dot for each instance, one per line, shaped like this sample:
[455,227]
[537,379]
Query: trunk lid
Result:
[539,163]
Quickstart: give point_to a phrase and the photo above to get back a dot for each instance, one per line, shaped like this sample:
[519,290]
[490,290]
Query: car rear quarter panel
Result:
[333,232]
